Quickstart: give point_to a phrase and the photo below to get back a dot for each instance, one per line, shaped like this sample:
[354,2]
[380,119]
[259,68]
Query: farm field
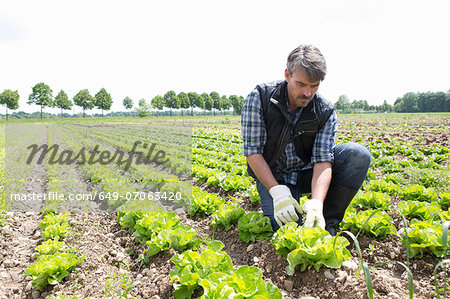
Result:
[194,239]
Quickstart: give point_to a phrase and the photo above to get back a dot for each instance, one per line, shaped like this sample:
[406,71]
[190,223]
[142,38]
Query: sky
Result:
[375,50]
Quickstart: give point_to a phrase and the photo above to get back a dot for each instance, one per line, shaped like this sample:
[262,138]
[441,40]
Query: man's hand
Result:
[314,215]
[284,205]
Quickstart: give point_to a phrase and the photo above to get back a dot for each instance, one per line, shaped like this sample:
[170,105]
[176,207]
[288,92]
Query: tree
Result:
[127,103]
[343,103]
[184,101]
[410,102]
[360,105]
[84,99]
[144,109]
[208,101]
[193,99]
[10,99]
[41,95]
[62,101]
[407,103]
[158,102]
[103,100]
[226,103]
[217,101]
[237,103]
[172,101]
[447,102]
[386,107]
[199,102]
[431,101]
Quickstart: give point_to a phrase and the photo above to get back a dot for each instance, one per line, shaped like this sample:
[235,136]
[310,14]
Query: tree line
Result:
[186,102]
[42,95]
[423,102]
[409,102]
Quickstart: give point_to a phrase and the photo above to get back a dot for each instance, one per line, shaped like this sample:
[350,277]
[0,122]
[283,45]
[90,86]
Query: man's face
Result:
[300,90]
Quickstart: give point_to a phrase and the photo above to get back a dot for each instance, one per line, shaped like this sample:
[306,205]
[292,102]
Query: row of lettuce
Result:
[55,259]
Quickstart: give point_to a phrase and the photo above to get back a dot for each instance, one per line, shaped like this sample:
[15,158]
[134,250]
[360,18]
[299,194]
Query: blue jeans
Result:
[351,163]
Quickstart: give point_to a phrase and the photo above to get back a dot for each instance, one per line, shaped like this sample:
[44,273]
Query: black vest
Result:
[274,106]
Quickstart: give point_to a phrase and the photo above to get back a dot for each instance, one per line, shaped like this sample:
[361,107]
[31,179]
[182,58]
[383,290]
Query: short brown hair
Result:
[308,59]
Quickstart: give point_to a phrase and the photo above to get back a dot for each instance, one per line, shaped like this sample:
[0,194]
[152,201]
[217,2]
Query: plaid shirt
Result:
[289,163]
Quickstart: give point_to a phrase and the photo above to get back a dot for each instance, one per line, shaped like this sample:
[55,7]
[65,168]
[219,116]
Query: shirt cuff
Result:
[323,158]
[247,151]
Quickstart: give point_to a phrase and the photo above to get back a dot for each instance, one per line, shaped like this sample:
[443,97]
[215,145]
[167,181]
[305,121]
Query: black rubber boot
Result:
[336,202]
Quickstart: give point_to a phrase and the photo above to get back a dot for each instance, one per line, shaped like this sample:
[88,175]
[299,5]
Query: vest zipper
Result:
[305,121]
[282,143]
[301,132]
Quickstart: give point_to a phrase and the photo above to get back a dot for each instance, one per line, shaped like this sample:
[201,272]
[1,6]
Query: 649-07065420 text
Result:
[137,195]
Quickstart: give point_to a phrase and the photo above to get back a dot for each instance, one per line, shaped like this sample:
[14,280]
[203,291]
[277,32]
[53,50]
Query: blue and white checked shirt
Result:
[289,163]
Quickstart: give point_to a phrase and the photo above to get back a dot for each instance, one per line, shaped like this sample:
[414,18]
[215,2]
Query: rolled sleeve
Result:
[253,126]
[323,149]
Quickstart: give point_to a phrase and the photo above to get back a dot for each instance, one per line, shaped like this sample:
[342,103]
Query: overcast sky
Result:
[375,50]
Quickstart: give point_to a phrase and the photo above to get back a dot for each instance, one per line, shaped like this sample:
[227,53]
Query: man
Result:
[288,131]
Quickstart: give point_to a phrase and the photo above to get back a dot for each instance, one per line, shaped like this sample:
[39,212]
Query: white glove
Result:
[284,205]
[314,215]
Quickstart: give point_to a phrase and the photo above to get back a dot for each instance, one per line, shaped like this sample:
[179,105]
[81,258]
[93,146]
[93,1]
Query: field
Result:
[127,240]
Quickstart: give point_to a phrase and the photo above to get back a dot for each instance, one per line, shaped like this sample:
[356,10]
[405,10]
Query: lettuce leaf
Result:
[51,269]
[310,247]
[418,209]
[254,226]
[152,223]
[379,225]
[424,237]
[180,239]
[227,215]
[245,282]
[191,266]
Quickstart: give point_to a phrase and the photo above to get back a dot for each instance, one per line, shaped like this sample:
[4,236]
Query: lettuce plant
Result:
[373,200]
[444,199]
[373,222]
[383,186]
[424,237]
[54,226]
[310,247]
[418,192]
[180,239]
[204,203]
[227,215]
[212,270]
[128,219]
[56,231]
[51,269]
[419,209]
[152,223]
[253,226]
[51,219]
[51,247]
[192,266]
[245,282]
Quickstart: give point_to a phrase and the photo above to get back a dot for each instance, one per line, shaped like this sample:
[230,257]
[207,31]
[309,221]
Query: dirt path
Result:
[20,236]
